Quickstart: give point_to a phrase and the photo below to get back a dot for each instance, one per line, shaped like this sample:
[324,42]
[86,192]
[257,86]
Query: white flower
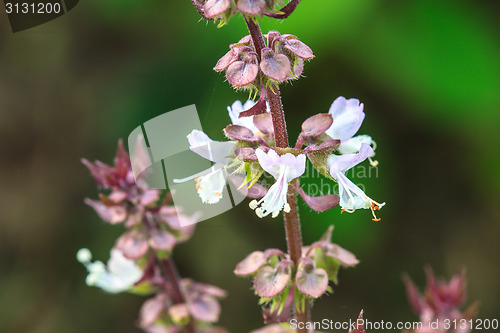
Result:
[234,113]
[351,196]
[119,275]
[348,115]
[211,186]
[210,182]
[284,169]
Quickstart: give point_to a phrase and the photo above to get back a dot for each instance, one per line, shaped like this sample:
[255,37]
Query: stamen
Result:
[253,204]
[275,214]
[375,206]
[259,211]
[373,163]
[286,208]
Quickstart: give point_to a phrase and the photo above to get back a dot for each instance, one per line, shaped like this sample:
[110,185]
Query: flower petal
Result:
[342,163]
[215,151]
[273,163]
[347,118]
[120,275]
[211,186]
[353,145]
[234,113]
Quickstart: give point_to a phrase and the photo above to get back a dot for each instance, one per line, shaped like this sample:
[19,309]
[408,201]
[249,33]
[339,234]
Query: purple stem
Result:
[287,10]
[174,287]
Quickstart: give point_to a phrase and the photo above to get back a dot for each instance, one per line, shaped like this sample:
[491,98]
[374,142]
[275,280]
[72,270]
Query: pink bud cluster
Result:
[441,301]
[281,60]
[282,286]
[152,230]
[225,9]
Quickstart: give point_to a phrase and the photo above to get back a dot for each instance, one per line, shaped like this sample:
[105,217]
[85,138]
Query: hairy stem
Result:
[174,287]
[292,222]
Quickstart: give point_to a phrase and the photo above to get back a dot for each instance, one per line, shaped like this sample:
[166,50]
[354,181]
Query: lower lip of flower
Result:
[274,201]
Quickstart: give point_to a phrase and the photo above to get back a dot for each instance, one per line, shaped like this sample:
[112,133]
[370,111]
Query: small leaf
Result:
[270,281]
[245,41]
[319,203]
[246,154]
[297,68]
[151,309]
[227,59]
[271,37]
[274,252]
[239,133]
[359,328]
[214,8]
[412,294]
[204,308]
[345,257]
[264,122]
[311,281]
[179,313]
[133,244]
[241,73]
[298,48]
[327,236]
[251,264]
[259,108]
[275,66]
[162,240]
[316,125]
[251,7]
[112,214]
[325,147]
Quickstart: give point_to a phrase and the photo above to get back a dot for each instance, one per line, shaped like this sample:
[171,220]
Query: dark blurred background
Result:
[427,71]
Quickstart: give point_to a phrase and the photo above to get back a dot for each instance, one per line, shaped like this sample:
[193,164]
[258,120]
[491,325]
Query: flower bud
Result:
[282,60]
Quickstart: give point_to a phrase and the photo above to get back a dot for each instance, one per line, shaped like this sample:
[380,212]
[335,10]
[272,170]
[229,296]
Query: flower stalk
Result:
[292,221]
[174,288]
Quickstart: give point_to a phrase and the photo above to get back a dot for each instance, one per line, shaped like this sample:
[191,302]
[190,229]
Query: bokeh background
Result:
[427,71]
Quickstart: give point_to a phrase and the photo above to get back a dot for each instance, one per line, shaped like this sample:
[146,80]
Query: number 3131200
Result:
[32,8]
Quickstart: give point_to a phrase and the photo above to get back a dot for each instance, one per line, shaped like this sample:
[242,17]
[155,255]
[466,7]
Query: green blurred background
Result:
[427,71]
